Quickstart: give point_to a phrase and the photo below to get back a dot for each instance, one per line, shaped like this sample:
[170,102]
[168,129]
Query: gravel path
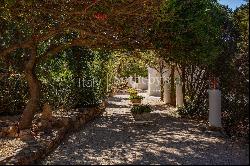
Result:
[114,138]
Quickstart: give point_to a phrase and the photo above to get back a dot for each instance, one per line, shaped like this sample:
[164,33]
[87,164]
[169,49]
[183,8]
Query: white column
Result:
[150,81]
[136,83]
[167,91]
[179,93]
[179,96]
[153,82]
[144,83]
[130,81]
[215,108]
[141,83]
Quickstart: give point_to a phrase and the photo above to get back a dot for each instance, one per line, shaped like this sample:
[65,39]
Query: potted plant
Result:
[132,92]
[135,99]
[141,112]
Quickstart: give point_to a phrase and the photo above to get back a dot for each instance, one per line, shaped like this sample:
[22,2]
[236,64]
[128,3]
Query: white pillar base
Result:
[215,108]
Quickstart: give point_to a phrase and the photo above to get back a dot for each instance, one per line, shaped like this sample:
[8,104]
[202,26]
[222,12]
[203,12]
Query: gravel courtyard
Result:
[115,138]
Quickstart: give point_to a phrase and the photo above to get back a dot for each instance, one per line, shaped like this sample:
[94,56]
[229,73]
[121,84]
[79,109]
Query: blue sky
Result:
[232,3]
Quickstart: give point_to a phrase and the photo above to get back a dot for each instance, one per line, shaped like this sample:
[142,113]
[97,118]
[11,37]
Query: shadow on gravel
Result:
[116,139]
[110,105]
[118,99]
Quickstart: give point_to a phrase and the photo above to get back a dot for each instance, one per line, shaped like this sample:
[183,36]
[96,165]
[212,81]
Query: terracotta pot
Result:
[135,101]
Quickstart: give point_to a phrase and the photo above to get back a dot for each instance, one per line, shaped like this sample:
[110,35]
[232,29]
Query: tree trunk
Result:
[77,73]
[162,87]
[183,80]
[172,84]
[34,90]
[162,81]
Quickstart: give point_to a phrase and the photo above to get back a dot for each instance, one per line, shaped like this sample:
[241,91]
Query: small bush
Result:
[141,109]
[192,110]
[132,92]
[135,97]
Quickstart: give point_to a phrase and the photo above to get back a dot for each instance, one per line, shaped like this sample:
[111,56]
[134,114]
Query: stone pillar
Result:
[215,108]
[153,82]
[133,83]
[130,81]
[167,91]
[179,93]
[179,96]
[139,84]
[149,81]
[144,82]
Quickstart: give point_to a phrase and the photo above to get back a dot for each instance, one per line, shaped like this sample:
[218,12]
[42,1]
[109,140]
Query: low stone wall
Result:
[48,139]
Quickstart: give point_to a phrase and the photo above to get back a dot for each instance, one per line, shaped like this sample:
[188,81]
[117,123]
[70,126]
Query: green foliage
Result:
[193,110]
[13,94]
[57,81]
[232,67]
[203,35]
[132,92]
[133,68]
[141,109]
[127,64]
[75,78]
[101,72]
[135,97]
[13,86]
[194,31]
[235,81]
[196,96]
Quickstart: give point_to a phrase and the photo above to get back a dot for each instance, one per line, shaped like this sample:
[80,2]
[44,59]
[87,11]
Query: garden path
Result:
[114,138]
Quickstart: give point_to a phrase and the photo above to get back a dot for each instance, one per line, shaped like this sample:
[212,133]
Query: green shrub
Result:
[13,95]
[193,110]
[75,78]
[136,97]
[141,109]
[132,92]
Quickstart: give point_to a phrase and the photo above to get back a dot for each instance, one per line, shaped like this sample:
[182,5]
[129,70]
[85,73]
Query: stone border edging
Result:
[39,149]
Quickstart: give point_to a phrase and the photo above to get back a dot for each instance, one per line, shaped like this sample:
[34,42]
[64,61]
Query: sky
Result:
[233,4]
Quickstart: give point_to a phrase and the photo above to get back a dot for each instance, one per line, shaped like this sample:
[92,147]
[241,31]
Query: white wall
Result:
[142,83]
